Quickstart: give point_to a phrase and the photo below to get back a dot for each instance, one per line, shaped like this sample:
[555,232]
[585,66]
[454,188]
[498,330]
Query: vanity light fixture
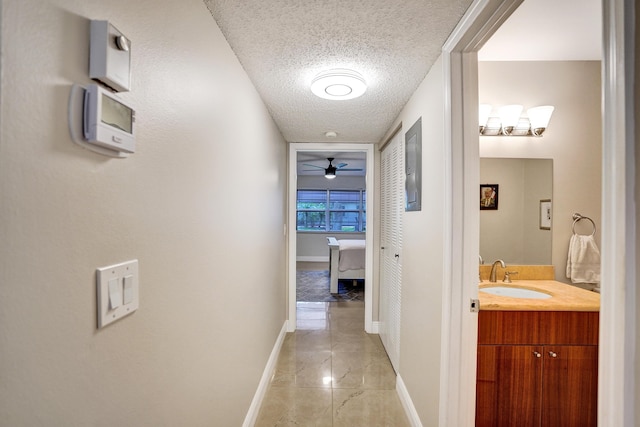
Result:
[509,122]
[338,84]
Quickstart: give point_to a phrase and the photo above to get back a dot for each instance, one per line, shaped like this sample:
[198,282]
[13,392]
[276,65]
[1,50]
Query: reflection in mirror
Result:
[513,232]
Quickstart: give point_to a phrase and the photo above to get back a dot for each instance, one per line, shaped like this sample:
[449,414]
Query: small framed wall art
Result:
[488,197]
[545,214]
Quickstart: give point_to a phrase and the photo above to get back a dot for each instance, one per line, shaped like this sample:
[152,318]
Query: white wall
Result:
[184,205]
[312,246]
[573,139]
[422,265]
[313,182]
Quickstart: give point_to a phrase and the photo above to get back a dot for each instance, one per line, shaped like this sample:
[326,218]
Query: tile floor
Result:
[331,373]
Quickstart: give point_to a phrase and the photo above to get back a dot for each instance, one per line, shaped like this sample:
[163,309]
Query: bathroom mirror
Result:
[513,232]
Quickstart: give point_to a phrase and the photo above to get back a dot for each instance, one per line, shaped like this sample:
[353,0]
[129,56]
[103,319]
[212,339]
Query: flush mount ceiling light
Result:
[338,84]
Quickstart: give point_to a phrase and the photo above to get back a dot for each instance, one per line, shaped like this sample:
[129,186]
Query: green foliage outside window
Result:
[331,210]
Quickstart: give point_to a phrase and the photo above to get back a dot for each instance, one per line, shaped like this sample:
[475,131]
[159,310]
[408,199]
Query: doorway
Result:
[617,316]
[317,151]
[331,227]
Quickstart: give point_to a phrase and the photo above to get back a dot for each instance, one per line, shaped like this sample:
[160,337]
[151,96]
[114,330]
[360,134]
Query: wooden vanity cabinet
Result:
[537,369]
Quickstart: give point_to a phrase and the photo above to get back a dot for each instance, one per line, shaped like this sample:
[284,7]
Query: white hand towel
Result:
[583,260]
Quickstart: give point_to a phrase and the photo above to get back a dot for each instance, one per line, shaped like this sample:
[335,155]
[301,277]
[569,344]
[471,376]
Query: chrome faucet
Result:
[492,276]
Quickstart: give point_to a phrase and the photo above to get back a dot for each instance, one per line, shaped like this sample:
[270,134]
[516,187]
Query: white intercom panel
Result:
[110,56]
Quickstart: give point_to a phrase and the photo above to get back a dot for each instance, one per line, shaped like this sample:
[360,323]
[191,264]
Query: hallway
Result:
[331,373]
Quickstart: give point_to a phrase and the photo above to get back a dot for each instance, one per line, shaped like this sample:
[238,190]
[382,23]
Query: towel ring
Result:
[577,217]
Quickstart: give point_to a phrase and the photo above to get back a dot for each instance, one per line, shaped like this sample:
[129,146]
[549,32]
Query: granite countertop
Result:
[564,297]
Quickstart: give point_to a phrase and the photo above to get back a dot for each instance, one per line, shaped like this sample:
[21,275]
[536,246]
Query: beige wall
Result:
[422,257]
[184,205]
[573,139]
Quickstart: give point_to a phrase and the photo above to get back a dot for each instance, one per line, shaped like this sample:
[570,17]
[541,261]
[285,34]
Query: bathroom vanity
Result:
[537,358]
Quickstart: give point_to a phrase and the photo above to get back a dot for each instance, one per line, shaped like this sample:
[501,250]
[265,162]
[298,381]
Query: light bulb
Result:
[539,118]
[509,116]
[483,115]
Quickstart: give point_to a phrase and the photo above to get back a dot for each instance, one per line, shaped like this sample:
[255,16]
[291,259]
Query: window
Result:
[331,210]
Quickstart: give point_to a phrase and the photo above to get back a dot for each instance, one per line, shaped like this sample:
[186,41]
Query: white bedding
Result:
[352,255]
[347,260]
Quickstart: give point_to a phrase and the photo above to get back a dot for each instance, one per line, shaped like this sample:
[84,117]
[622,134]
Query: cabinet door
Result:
[509,385]
[570,386]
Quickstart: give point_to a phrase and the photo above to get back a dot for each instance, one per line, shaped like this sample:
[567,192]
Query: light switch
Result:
[115,293]
[128,289]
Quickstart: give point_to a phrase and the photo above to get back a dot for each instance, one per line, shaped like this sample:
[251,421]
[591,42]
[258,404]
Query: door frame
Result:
[616,357]
[462,218]
[294,148]
[617,311]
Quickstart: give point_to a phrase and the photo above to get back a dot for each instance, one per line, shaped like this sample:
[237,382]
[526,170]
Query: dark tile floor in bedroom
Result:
[331,373]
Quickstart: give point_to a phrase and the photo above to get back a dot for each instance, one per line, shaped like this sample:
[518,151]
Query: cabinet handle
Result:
[536,354]
[552,354]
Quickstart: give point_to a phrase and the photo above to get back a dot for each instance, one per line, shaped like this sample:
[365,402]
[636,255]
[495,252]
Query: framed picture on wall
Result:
[488,197]
[545,214]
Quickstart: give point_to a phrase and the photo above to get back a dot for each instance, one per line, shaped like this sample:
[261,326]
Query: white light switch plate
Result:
[117,272]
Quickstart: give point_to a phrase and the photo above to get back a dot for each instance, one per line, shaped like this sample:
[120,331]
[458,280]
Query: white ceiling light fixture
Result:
[338,84]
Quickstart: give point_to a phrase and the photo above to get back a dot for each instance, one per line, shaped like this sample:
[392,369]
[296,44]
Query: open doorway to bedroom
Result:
[329,210]
[330,226]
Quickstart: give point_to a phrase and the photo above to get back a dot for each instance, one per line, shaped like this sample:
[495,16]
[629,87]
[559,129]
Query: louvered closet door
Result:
[392,207]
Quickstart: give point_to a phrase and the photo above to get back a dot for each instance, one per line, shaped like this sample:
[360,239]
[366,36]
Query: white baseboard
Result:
[263,385]
[407,403]
[312,258]
[375,327]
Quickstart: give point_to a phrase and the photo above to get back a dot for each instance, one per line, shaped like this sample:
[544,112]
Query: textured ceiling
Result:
[283,44]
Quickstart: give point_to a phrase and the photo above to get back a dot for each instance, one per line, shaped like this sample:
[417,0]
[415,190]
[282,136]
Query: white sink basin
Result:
[505,291]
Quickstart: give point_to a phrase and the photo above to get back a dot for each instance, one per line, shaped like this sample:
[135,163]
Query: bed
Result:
[346,260]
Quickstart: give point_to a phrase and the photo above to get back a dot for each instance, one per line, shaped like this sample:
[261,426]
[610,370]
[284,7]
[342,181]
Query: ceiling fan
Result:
[330,171]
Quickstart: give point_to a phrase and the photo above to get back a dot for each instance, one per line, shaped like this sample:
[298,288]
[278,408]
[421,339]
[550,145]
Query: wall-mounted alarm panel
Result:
[110,56]
[108,121]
